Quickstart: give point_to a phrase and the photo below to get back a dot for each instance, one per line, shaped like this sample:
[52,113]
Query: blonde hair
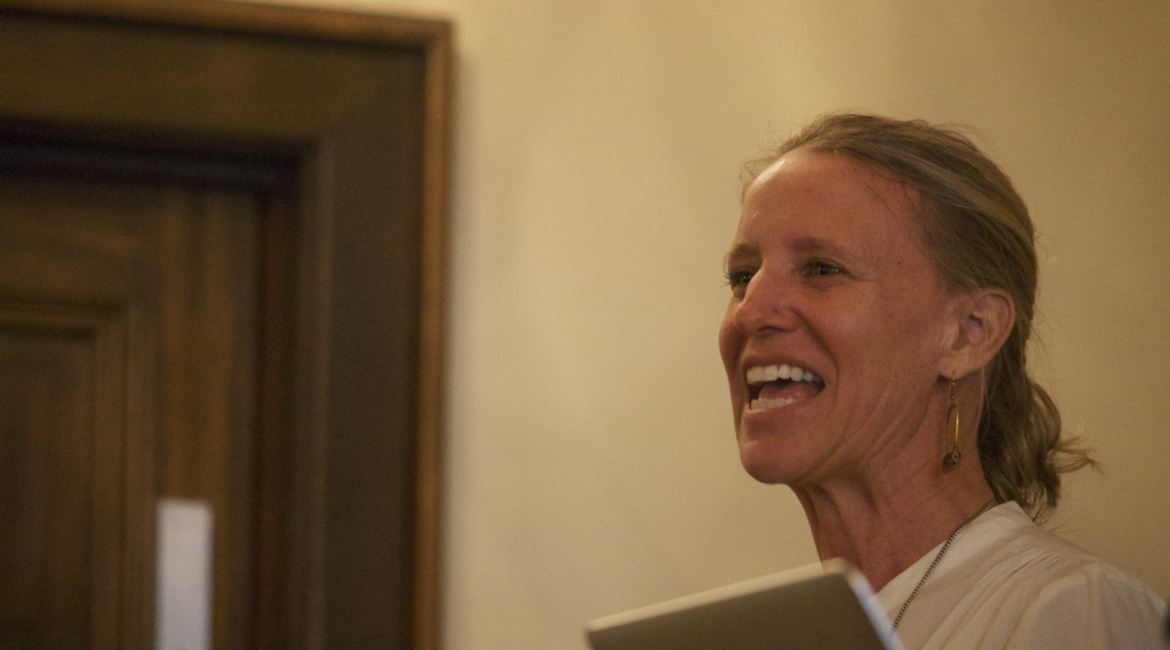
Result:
[979,234]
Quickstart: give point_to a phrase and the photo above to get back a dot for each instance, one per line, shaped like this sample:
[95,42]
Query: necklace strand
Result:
[937,558]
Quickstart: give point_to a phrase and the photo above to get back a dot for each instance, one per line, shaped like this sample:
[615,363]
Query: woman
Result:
[883,280]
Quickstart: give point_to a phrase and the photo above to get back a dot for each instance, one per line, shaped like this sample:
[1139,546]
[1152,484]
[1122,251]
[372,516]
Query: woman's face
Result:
[829,275]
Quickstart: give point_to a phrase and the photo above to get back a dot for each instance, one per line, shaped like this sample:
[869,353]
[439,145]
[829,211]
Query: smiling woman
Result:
[883,277]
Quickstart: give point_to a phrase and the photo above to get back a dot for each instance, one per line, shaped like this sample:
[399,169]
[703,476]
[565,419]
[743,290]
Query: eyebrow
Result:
[817,245]
[742,250]
[803,245]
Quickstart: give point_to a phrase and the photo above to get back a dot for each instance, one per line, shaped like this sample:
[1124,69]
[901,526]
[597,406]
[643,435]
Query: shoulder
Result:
[1055,564]
[1008,584]
[1069,598]
[1095,605]
[1039,553]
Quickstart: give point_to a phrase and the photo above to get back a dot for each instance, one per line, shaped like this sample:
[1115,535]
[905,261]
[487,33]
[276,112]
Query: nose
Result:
[767,304]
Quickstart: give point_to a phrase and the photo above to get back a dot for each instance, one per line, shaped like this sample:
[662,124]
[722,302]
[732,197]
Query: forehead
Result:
[806,198]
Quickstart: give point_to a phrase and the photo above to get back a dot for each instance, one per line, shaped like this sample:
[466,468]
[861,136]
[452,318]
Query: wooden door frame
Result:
[317,213]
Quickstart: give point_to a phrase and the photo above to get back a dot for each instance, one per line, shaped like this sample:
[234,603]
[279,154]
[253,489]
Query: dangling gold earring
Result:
[951,460]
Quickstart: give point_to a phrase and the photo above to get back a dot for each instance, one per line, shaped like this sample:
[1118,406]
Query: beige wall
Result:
[591,464]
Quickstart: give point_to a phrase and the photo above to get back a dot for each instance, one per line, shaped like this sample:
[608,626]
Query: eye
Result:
[739,278]
[822,269]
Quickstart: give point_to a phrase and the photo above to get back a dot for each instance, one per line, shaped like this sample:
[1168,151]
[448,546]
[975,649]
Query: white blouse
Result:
[1006,583]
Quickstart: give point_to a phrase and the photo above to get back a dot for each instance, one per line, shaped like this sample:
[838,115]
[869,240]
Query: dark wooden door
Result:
[82,263]
[221,271]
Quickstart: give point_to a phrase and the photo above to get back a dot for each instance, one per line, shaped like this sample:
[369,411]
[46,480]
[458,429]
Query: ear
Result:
[983,320]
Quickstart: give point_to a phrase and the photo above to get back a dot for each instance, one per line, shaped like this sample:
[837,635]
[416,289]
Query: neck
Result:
[884,531]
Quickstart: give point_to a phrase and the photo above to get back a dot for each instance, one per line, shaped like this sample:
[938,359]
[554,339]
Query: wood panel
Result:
[46,500]
[64,373]
[183,259]
[334,126]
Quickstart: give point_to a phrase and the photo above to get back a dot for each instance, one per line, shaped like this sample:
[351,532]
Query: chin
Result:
[766,463]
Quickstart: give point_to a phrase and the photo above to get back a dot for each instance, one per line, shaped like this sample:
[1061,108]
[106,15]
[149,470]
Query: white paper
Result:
[183,596]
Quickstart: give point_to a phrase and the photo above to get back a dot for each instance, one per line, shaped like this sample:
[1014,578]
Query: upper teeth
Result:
[764,374]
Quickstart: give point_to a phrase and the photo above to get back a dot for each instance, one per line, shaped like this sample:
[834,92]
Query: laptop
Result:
[825,606]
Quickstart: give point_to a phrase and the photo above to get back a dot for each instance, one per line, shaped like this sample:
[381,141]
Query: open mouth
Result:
[776,386]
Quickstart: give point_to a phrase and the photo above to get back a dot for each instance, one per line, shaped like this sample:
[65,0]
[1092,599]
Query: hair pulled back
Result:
[978,233]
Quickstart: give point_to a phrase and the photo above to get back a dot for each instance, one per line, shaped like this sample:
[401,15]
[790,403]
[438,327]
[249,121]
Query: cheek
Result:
[895,345]
[730,340]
